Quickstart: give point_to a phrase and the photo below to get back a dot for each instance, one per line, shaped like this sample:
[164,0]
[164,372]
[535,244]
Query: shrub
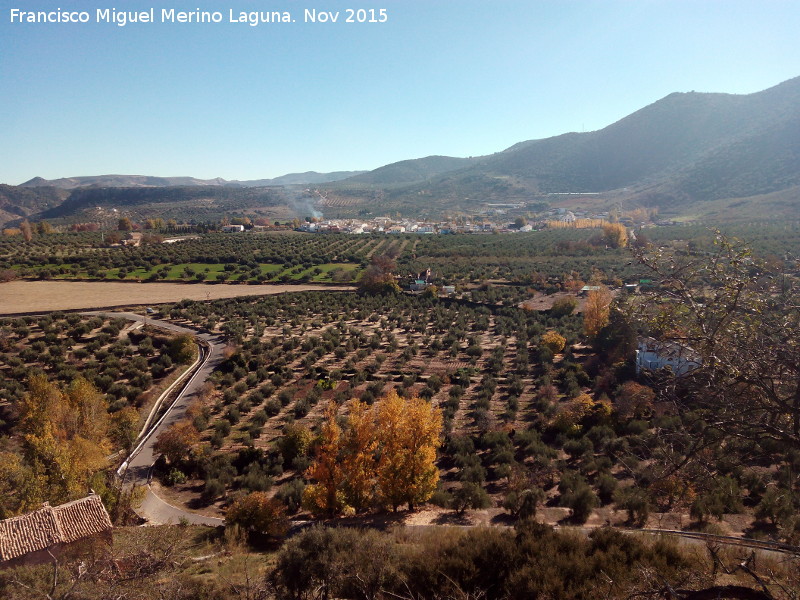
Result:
[174,477]
[273,407]
[301,408]
[470,495]
[259,513]
[441,498]
[724,496]
[577,496]
[606,485]
[775,505]
[564,306]
[579,447]
[256,480]
[636,502]
[523,504]
[182,349]
[291,494]
[213,489]
[581,502]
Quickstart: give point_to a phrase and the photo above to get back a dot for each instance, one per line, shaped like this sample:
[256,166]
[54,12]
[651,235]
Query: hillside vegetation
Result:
[684,149]
[677,154]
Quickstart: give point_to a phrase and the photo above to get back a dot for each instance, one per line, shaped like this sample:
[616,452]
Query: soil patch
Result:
[18,297]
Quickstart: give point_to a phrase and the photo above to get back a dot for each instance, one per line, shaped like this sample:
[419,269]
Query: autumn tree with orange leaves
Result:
[386,454]
[378,277]
[325,496]
[176,442]
[259,513]
[358,456]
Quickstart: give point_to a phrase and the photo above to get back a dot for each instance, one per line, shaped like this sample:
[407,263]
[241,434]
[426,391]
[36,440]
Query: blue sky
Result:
[453,77]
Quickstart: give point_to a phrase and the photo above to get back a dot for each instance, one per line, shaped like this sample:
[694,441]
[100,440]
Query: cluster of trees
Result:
[385,455]
[90,252]
[26,230]
[379,277]
[257,385]
[63,346]
[590,435]
[736,316]
[452,258]
[65,435]
[542,258]
[295,355]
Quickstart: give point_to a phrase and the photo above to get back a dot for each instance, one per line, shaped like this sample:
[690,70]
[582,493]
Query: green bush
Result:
[470,495]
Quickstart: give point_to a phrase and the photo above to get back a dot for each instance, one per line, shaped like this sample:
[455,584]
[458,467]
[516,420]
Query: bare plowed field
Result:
[18,297]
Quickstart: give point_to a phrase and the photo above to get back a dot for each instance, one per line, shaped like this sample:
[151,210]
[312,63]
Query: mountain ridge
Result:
[132,181]
[683,150]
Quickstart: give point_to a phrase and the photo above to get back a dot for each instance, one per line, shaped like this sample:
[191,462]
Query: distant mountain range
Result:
[690,154]
[683,150]
[115,181]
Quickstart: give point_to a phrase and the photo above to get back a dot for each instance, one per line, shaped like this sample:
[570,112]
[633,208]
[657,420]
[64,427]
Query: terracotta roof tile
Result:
[82,518]
[49,525]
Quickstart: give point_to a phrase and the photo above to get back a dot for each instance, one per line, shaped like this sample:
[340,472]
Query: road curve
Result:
[154,509]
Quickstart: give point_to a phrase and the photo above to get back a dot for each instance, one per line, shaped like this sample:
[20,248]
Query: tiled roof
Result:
[50,525]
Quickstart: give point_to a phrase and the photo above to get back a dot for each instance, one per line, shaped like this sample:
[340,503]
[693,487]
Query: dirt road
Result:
[18,297]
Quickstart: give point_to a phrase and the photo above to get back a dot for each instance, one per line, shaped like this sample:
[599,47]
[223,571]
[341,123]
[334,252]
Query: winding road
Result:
[139,464]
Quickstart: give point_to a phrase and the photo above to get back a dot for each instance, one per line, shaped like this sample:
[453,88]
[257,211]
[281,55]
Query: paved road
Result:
[154,509]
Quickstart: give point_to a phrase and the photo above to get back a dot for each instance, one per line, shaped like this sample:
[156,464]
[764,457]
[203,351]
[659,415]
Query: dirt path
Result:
[17,297]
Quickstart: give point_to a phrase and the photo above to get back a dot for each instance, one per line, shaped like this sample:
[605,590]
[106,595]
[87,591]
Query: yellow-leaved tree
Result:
[65,435]
[408,434]
[554,341]
[596,311]
[358,456]
[326,496]
[616,235]
[387,452]
[344,467]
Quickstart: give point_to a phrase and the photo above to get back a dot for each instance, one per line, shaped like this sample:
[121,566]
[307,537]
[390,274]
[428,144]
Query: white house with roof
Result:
[653,355]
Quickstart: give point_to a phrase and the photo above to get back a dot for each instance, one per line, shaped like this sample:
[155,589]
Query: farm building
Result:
[652,355]
[50,531]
